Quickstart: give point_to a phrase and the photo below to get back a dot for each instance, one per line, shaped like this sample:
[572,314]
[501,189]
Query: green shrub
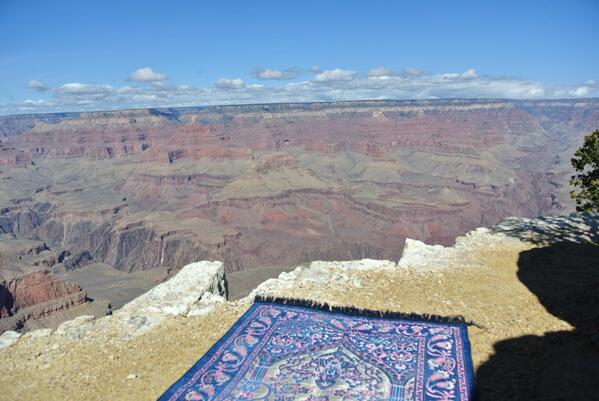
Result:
[586,179]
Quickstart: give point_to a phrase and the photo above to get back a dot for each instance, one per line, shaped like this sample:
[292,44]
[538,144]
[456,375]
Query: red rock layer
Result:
[374,130]
[35,295]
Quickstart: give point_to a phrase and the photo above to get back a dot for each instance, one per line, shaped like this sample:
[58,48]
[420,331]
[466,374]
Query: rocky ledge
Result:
[518,282]
[191,292]
[198,287]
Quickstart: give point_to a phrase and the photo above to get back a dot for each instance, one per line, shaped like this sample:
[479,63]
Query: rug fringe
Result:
[351,310]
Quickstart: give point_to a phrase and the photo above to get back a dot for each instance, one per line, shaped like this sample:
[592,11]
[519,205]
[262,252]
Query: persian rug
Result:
[283,350]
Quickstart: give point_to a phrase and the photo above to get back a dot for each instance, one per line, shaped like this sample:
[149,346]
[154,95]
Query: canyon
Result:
[117,202]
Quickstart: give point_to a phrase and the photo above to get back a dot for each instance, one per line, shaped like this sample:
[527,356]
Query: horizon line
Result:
[323,102]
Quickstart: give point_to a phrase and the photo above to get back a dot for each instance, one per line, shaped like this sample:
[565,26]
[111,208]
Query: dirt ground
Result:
[499,298]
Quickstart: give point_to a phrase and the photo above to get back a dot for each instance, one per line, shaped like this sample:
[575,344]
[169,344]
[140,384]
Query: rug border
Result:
[468,363]
[211,351]
[458,321]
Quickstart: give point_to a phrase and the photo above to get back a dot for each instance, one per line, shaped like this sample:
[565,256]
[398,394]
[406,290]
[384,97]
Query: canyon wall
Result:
[276,185]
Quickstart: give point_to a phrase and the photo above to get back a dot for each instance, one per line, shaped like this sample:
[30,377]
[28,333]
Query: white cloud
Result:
[470,73]
[225,83]
[331,85]
[379,72]
[76,88]
[146,74]
[335,75]
[34,102]
[587,90]
[268,73]
[581,91]
[37,85]
[128,90]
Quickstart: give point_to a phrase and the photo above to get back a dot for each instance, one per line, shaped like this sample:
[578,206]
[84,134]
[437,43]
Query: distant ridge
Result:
[275,106]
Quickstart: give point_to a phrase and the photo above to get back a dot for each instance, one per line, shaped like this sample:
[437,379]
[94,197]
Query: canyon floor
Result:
[529,293]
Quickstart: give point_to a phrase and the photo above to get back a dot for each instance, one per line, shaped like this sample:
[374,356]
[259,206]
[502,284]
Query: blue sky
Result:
[89,55]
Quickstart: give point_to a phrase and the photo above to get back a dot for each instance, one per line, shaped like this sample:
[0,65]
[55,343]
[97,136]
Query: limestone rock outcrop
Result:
[181,294]
[323,273]
[8,338]
[418,255]
[195,289]
[510,232]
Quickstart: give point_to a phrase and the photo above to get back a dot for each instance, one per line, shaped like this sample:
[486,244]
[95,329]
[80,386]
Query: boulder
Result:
[193,291]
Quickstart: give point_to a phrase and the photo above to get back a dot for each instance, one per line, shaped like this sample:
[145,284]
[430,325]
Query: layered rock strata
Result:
[36,295]
[273,186]
[301,178]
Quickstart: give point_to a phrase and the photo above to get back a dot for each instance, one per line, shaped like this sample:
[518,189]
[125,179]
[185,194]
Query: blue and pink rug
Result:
[283,350]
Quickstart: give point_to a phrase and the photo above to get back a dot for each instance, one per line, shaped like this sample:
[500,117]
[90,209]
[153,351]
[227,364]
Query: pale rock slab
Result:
[577,227]
[176,296]
[39,333]
[511,232]
[338,273]
[8,338]
[193,291]
[420,256]
[206,304]
[363,264]
[76,328]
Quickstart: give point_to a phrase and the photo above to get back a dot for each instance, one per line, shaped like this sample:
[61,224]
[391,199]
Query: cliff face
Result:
[36,295]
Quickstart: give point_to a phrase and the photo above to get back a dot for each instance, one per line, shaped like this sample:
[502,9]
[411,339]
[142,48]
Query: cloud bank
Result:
[149,89]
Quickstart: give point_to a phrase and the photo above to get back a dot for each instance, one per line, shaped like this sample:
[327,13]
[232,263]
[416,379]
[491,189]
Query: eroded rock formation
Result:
[36,295]
[528,287]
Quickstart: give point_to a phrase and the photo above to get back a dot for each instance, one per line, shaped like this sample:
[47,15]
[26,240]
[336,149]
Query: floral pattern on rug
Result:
[279,352]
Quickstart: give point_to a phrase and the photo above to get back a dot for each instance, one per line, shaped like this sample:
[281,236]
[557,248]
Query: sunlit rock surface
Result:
[192,291]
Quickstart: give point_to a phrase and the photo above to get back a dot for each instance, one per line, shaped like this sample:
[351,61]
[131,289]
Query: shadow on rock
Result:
[552,229]
[561,365]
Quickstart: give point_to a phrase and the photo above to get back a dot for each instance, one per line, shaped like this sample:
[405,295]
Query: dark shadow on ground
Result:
[561,365]
[577,227]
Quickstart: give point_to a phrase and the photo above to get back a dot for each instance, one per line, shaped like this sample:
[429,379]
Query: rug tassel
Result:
[350,310]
